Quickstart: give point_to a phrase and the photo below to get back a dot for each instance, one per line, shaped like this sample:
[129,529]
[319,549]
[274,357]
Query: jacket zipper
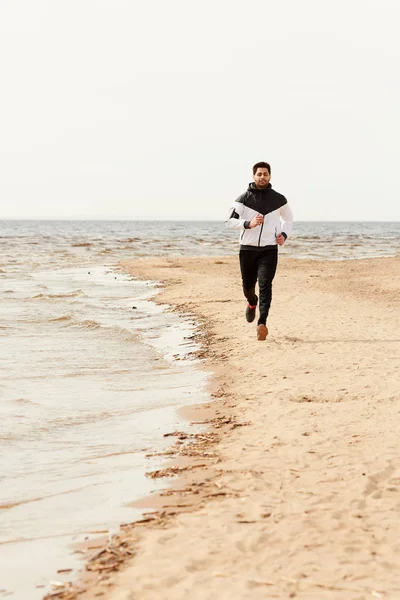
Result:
[259,237]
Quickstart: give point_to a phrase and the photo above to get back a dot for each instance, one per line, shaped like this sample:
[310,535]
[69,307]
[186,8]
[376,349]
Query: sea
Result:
[90,378]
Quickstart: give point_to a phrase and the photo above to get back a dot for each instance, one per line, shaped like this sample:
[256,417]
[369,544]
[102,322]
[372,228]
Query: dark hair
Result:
[261,165]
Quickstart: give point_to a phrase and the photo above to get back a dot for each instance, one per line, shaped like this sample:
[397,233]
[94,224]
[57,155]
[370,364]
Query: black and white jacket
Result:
[278,217]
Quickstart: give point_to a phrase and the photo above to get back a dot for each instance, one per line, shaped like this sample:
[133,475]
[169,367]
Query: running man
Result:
[265,221]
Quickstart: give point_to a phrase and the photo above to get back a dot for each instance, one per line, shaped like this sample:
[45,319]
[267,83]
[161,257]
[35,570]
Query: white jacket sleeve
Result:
[235,220]
[286,219]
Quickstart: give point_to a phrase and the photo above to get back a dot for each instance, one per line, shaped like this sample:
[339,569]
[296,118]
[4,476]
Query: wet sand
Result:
[294,491]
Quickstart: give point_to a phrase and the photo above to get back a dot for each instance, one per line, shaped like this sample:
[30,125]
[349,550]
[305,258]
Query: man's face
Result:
[262,178]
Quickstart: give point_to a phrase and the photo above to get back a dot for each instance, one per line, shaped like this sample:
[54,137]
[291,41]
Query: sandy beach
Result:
[294,491]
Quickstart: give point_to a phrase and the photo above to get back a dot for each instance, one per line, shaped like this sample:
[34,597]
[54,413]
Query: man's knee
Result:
[250,294]
[265,286]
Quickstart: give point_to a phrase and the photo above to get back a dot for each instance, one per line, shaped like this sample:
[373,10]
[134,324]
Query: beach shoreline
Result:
[302,443]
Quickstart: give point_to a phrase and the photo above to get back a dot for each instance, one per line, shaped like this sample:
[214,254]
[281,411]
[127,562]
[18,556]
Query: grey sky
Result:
[134,109]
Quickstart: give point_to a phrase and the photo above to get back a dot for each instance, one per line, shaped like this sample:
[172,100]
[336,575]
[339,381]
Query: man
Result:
[265,221]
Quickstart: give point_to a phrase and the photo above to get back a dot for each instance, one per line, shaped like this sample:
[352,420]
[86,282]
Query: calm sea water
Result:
[88,378]
[48,242]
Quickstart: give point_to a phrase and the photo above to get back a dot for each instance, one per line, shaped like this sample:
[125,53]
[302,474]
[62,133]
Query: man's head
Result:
[262,174]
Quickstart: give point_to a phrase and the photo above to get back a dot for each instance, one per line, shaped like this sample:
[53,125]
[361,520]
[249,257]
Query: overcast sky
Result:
[158,110]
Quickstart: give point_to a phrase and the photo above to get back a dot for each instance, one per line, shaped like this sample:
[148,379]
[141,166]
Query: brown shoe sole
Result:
[262,332]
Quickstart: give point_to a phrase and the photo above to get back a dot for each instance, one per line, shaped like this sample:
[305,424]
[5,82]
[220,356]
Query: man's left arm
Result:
[287,223]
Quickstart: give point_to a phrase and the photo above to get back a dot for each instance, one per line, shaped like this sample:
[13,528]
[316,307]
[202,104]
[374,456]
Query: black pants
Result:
[259,265]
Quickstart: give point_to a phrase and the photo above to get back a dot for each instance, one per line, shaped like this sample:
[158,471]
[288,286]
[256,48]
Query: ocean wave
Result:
[87,324]
[61,319]
[23,401]
[72,321]
[128,334]
[73,294]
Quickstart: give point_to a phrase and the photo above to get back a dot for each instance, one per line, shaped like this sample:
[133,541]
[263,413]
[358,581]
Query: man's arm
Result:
[286,220]
[235,220]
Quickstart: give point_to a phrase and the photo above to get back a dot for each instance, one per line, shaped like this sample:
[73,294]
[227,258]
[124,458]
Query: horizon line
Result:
[188,220]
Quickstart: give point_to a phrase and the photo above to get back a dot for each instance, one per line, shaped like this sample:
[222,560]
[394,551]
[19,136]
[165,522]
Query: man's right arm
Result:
[235,220]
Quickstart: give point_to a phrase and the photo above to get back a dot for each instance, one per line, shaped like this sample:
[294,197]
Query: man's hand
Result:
[280,239]
[258,220]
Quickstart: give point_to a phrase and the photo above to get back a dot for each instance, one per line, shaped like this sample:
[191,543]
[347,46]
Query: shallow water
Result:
[88,386]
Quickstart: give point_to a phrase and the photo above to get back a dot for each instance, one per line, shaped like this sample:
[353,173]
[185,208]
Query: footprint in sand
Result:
[374,487]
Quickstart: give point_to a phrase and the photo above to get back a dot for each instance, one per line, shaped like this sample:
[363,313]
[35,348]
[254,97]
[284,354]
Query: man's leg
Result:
[248,268]
[266,272]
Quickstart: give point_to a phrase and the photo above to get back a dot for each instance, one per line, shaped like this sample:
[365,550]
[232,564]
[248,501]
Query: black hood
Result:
[264,200]
[253,188]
